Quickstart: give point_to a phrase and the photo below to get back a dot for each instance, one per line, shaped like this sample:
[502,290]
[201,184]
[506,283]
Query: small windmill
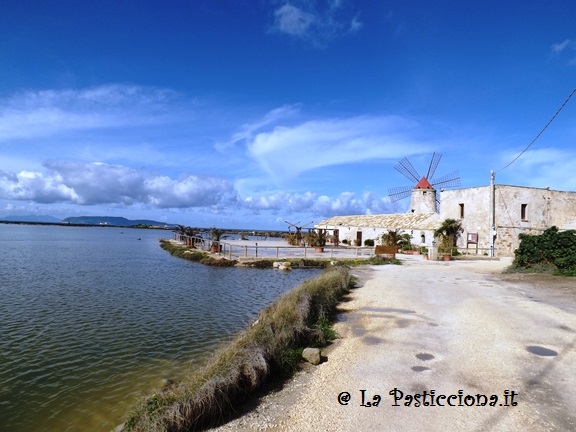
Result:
[424,191]
[298,229]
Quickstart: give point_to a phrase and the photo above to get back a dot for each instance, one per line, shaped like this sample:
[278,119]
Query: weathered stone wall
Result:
[423,201]
[518,210]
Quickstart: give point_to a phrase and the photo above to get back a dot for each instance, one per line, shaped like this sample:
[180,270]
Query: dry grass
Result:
[265,350]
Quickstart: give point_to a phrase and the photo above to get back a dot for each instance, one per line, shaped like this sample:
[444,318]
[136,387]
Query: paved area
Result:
[279,249]
[450,330]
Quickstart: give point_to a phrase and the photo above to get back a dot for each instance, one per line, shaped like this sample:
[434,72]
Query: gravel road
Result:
[425,331]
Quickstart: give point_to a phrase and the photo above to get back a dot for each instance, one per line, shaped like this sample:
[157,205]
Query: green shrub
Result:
[551,251]
[369,242]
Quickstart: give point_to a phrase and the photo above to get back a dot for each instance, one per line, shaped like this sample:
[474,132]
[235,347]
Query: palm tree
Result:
[448,233]
[391,238]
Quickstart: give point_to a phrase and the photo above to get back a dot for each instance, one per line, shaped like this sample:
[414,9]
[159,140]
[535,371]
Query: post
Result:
[492,214]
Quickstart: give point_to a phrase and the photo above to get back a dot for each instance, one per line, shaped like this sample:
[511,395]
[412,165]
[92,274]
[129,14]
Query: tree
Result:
[391,238]
[448,234]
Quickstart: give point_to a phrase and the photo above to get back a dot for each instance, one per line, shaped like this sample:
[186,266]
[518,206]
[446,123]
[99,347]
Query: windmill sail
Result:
[405,168]
[433,165]
[398,193]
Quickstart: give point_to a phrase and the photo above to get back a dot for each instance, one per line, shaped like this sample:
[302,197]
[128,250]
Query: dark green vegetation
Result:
[448,234]
[553,251]
[269,348]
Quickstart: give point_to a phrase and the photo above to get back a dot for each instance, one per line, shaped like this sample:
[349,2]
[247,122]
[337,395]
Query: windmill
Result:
[424,197]
[298,229]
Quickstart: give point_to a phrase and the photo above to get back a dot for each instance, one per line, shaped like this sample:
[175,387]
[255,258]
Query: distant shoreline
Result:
[66,224]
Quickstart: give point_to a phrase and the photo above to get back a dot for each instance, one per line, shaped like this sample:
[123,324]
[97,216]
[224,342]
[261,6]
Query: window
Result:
[523,208]
[461,210]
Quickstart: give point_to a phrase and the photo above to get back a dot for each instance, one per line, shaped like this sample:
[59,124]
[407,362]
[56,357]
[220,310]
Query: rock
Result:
[276,264]
[311,355]
[166,384]
[284,265]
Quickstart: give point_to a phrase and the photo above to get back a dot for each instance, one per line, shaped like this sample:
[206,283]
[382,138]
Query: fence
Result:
[235,250]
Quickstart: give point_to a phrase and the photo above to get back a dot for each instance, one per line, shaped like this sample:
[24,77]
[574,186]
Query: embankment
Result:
[270,348]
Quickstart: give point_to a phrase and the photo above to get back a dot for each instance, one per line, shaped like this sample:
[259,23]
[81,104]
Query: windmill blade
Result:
[448,181]
[405,168]
[400,192]
[433,165]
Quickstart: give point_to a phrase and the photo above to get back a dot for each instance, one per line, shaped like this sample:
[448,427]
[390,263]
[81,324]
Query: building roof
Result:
[395,221]
[423,184]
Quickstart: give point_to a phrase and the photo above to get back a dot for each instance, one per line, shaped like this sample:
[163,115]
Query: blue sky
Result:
[246,113]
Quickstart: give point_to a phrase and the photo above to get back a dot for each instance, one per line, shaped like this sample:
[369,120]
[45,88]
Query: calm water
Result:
[92,319]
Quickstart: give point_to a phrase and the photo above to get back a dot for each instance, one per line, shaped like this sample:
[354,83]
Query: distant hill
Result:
[32,218]
[111,220]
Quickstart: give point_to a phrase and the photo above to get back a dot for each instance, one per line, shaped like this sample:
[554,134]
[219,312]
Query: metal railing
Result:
[234,251]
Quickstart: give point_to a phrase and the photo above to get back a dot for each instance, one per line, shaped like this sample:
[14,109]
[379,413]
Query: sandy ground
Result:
[438,327]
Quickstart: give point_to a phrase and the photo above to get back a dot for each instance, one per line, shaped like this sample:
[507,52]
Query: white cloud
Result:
[293,21]
[97,183]
[285,152]
[546,167]
[248,130]
[559,47]
[318,205]
[315,21]
[46,112]
[567,47]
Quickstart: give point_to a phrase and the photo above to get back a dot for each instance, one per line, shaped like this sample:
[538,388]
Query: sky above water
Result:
[248,113]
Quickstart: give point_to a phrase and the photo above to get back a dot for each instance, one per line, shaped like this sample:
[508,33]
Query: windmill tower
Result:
[424,198]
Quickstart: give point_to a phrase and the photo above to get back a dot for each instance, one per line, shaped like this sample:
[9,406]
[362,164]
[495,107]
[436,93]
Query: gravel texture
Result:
[442,327]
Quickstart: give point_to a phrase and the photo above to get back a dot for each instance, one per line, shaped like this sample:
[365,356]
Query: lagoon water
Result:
[93,319]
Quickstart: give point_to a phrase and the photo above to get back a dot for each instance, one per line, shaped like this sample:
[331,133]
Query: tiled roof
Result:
[422,221]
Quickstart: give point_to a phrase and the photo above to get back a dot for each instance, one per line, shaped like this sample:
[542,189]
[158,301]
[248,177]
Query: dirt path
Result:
[428,327]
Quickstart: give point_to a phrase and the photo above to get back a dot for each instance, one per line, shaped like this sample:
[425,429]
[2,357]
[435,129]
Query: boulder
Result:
[312,355]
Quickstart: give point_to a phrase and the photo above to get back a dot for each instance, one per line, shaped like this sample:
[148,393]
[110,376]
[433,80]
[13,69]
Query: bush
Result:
[369,242]
[553,251]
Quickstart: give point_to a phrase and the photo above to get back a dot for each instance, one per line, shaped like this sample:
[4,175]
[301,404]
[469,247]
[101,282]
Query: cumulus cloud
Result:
[46,112]
[315,21]
[97,183]
[91,184]
[287,151]
[321,206]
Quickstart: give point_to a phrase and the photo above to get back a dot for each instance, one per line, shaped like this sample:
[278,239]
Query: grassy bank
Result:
[195,255]
[269,348]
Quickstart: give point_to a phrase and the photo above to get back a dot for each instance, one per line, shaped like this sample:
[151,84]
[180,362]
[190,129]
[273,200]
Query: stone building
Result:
[510,210]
